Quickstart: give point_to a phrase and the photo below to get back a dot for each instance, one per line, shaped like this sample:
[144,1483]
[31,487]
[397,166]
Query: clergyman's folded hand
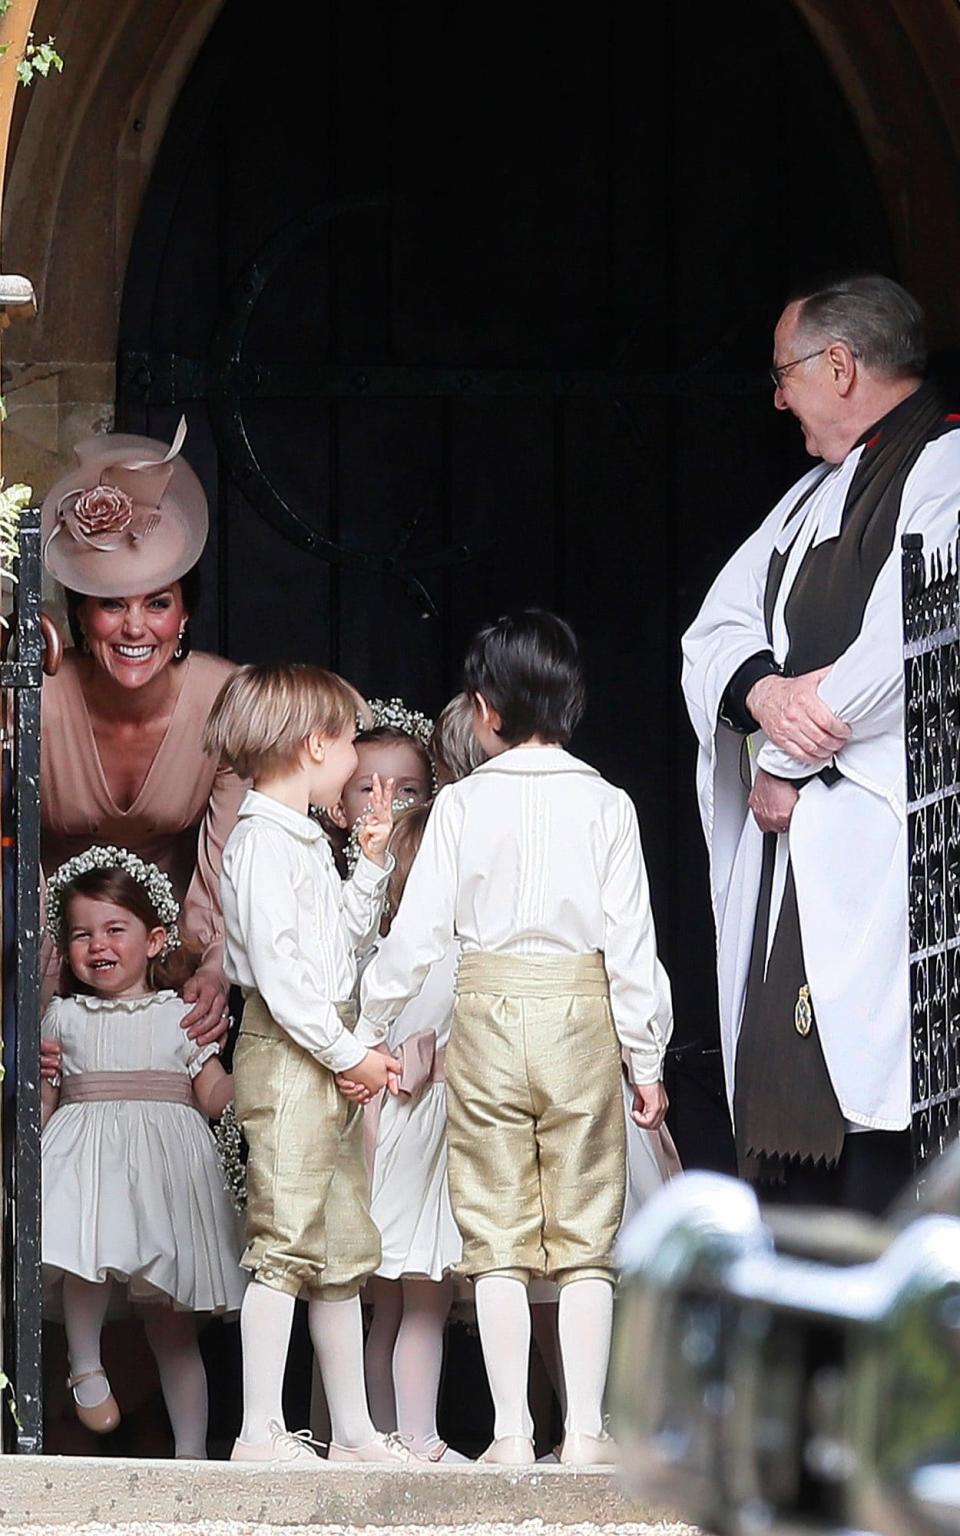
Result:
[792,715]
[772,802]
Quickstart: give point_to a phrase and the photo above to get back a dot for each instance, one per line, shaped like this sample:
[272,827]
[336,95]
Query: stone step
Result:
[83,1490]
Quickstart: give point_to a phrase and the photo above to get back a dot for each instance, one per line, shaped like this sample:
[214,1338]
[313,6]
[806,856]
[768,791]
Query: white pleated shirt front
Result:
[292,928]
[533,854]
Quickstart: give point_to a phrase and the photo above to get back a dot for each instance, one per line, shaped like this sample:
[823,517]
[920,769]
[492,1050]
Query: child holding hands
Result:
[534,862]
[292,931]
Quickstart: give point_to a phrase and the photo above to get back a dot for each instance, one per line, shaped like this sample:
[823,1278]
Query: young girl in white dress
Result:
[412,1289]
[133,1191]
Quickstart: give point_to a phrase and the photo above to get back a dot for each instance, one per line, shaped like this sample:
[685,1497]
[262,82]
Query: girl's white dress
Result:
[409,1199]
[131,1189]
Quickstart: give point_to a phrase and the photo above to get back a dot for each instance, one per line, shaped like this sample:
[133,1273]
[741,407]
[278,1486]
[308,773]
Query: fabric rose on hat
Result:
[100,516]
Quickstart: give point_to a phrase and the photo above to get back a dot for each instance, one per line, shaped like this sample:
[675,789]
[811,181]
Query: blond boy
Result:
[292,932]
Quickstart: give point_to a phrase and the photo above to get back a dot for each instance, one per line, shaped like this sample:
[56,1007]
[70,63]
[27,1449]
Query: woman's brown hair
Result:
[122,890]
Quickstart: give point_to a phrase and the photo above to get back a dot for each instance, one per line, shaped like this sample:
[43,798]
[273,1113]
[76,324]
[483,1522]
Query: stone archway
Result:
[83,146]
[81,152]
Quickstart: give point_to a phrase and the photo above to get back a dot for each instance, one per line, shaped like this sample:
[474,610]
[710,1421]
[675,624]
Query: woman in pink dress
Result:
[122,721]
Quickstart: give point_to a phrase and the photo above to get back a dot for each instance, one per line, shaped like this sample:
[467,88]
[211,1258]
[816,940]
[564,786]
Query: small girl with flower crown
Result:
[133,1192]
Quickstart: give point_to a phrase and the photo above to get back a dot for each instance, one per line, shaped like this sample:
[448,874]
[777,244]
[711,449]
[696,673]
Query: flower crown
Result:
[155,882]
[394,713]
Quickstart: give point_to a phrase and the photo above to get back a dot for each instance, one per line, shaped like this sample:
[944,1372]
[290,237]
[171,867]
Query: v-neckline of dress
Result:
[98,760]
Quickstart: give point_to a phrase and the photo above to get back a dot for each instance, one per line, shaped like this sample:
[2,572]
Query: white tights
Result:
[336,1331]
[585,1322]
[404,1357]
[585,1317]
[503,1318]
[172,1337]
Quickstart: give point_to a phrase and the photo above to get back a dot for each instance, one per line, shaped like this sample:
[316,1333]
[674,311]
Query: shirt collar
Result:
[256,804]
[535,760]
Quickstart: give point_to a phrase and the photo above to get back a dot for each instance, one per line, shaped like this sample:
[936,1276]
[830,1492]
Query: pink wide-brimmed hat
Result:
[132,518]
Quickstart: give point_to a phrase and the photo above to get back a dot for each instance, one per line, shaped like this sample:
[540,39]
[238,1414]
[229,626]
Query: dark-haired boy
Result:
[534,863]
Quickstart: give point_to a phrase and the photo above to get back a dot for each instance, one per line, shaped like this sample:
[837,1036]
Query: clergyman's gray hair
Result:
[880,322]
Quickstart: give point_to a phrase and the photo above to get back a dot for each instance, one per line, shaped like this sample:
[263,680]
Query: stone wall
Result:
[84,143]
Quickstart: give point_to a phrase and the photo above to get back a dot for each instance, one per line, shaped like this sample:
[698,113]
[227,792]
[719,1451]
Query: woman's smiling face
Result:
[134,638]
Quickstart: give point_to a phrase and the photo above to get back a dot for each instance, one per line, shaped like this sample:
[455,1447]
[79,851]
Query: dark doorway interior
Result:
[439,277]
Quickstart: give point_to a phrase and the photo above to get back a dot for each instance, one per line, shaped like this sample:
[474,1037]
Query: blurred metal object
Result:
[17,299]
[768,1377]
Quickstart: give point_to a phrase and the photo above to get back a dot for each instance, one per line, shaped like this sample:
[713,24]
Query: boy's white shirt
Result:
[533,854]
[292,927]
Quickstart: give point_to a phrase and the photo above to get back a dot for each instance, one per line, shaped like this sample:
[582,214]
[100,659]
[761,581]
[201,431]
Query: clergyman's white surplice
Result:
[847,841]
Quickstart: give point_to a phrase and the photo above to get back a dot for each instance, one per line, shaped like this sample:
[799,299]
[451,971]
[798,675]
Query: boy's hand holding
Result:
[650,1105]
[374,1072]
[373,833]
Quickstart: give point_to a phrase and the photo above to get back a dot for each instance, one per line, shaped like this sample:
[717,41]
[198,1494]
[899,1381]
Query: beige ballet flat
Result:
[588,1451]
[102,1417]
[510,1451]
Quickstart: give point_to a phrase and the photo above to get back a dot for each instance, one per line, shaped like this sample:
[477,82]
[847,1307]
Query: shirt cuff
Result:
[370,1034]
[370,876]
[644,1067]
[733,706]
[345,1053]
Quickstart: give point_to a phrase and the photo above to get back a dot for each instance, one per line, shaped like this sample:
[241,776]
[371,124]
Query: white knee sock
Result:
[183,1380]
[336,1328]
[84,1308]
[503,1318]
[378,1355]
[266,1319]
[418,1361]
[585,1322]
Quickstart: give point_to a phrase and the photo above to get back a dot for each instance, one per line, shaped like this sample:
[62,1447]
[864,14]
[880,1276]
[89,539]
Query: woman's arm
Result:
[202,915]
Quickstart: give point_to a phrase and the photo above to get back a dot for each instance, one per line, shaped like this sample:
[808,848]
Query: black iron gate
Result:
[21,675]
[931,624]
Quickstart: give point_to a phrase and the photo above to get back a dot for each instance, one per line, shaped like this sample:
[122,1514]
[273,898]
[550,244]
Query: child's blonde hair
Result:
[263,715]
[453,746]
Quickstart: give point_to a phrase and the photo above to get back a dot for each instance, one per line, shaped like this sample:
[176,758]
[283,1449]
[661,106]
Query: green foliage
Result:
[38,59]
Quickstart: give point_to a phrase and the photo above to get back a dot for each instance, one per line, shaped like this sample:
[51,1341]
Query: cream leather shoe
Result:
[589,1451]
[389,1450]
[510,1451]
[284,1448]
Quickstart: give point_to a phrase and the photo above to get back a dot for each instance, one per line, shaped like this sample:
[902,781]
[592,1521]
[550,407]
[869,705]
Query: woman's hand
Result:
[373,833]
[650,1105]
[51,1060]
[208,1020]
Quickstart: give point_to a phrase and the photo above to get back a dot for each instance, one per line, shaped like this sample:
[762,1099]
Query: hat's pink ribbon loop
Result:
[123,505]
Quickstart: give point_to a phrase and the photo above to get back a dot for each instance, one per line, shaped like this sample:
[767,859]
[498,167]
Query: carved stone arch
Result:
[898,65]
[81,154]
[83,146]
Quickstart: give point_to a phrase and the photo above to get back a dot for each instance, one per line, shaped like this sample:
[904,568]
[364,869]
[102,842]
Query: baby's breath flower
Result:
[157,886]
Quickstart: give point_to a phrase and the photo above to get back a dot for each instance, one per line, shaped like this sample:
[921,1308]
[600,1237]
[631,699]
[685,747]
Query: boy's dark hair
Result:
[527,666]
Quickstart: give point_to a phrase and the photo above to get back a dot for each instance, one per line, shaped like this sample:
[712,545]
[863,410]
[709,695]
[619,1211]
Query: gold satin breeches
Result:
[536,1134]
[308,1217]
